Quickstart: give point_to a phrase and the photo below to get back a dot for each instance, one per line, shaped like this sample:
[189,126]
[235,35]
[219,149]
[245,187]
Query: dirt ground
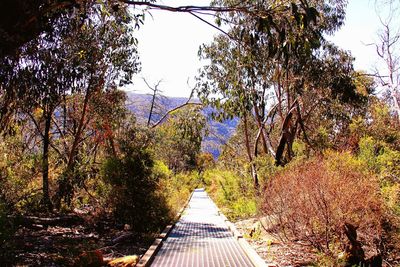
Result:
[61,245]
[285,254]
[274,251]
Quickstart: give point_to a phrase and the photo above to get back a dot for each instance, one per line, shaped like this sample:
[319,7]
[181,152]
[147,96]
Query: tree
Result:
[23,21]
[135,195]
[43,69]
[387,49]
[110,59]
[155,96]
[88,52]
[179,138]
[264,68]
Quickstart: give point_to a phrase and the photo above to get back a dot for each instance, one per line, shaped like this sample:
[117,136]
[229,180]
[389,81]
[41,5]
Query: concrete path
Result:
[201,238]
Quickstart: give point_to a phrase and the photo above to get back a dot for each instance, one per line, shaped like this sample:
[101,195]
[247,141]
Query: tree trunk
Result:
[64,114]
[283,140]
[112,146]
[65,185]
[248,149]
[396,104]
[45,163]
[266,142]
[77,137]
[260,125]
[152,107]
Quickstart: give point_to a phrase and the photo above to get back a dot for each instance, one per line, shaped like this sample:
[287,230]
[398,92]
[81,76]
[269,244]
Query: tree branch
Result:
[187,103]
[189,8]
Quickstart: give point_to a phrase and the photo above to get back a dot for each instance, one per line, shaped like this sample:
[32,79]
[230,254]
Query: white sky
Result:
[169,42]
[361,28]
[168,46]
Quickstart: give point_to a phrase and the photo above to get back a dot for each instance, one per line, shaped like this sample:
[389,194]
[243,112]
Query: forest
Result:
[313,163]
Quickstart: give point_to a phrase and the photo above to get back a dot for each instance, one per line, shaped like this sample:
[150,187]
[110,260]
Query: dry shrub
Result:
[312,200]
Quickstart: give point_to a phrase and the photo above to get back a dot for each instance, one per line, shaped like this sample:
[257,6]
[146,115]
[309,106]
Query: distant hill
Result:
[219,133]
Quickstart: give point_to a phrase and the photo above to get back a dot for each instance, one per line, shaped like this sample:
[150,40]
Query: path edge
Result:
[255,259]
[151,252]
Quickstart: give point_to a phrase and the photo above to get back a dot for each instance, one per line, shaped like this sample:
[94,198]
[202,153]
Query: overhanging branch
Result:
[189,8]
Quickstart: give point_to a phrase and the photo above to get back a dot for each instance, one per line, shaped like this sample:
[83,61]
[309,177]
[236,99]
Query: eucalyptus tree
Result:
[387,48]
[180,136]
[41,69]
[22,21]
[106,58]
[88,51]
[262,66]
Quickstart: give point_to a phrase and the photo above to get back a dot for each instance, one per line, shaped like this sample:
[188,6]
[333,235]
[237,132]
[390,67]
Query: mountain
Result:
[219,132]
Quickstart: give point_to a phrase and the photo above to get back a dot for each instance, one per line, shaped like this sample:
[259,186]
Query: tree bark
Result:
[248,149]
[66,184]
[285,136]
[260,126]
[45,162]
[151,108]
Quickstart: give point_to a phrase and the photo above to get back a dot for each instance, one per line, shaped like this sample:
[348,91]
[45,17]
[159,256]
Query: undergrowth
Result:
[232,193]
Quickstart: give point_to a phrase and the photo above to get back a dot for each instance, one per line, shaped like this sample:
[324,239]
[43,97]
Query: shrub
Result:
[19,181]
[5,225]
[312,200]
[233,193]
[204,161]
[7,230]
[385,162]
[176,187]
[266,168]
[135,195]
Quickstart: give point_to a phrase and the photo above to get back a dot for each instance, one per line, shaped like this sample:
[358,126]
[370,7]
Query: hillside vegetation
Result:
[283,131]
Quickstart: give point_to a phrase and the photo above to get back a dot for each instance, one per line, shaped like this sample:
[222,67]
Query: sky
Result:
[360,29]
[169,42]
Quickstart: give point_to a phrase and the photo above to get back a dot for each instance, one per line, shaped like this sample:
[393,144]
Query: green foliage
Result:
[391,194]
[135,194]
[19,169]
[367,152]
[385,162]
[68,72]
[266,168]
[321,139]
[299,149]
[232,193]
[378,123]
[233,155]
[377,138]
[284,54]
[178,187]
[204,161]
[179,139]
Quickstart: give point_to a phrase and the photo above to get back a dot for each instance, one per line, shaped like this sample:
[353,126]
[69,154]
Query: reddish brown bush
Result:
[313,200]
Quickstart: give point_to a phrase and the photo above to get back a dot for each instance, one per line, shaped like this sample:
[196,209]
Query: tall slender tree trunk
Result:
[259,124]
[266,142]
[248,150]
[396,104]
[66,185]
[45,162]
[152,107]
[64,114]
